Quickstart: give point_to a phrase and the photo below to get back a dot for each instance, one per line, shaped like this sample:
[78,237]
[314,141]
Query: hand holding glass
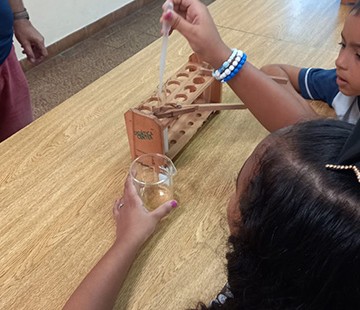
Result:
[152,175]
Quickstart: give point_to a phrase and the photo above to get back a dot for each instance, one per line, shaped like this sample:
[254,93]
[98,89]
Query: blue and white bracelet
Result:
[225,65]
[231,66]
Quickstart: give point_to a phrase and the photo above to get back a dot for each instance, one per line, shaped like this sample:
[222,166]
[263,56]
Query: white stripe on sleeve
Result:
[307,85]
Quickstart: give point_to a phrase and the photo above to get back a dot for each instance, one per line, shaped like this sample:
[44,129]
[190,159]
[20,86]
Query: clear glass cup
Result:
[152,175]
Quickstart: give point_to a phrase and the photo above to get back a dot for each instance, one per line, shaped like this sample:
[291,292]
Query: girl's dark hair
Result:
[298,245]
[355,10]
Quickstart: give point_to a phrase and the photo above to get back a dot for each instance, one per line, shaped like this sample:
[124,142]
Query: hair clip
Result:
[345,167]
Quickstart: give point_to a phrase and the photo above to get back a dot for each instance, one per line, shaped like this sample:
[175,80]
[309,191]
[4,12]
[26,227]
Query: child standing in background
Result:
[15,104]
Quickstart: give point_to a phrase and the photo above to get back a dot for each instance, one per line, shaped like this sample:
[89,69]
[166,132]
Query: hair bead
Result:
[345,167]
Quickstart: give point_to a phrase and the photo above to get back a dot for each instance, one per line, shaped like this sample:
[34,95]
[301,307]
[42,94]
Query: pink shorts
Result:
[15,105]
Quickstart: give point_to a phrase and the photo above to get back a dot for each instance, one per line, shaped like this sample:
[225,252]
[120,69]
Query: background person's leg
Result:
[15,105]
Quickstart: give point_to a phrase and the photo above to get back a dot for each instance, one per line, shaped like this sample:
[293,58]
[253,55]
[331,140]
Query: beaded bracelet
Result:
[231,66]
[236,69]
[216,74]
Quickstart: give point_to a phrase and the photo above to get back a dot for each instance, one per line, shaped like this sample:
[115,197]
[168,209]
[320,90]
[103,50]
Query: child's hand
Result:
[193,20]
[135,223]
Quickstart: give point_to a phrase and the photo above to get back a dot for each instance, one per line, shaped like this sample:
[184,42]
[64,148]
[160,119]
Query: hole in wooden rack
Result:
[168,91]
[181,97]
[162,98]
[172,142]
[153,99]
[191,68]
[151,102]
[190,88]
[199,80]
[182,132]
[172,82]
[182,76]
[143,107]
[171,86]
[190,123]
[198,114]
[146,111]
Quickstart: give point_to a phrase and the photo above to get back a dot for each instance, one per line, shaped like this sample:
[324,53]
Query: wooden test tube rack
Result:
[151,132]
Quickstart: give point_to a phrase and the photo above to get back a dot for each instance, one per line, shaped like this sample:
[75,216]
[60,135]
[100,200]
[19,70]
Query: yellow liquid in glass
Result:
[155,195]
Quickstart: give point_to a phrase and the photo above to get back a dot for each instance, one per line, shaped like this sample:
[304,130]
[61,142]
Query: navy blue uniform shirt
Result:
[6,29]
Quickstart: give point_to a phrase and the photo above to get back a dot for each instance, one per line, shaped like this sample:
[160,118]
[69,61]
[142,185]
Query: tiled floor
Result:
[62,76]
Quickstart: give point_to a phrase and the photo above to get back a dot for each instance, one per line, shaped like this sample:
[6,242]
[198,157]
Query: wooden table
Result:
[60,176]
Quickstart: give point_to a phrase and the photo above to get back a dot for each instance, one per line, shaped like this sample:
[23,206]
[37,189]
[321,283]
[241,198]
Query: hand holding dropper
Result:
[168,5]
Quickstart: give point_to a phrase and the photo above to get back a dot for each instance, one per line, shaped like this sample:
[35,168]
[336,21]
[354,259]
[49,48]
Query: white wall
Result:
[55,19]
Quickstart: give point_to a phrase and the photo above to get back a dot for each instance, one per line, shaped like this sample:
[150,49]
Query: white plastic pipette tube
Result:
[165,30]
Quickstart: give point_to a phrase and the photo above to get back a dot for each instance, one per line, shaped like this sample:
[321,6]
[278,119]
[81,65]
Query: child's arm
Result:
[271,104]
[29,38]
[100,287]
[286,71]
[135,225]
[274,105]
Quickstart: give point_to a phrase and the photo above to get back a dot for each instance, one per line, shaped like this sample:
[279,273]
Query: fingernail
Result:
[168,15]
[174,203]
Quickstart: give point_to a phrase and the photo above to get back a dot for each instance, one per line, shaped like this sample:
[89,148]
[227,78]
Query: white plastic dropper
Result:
[165,30]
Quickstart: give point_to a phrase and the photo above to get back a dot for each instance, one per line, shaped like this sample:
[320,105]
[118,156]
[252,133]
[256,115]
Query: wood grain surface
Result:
[60,176]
